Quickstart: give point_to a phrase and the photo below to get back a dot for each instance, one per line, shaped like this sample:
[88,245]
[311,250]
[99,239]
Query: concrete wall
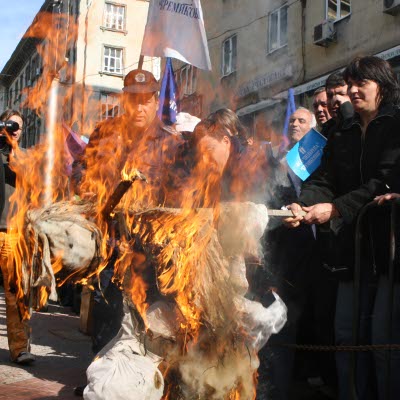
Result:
[366,31]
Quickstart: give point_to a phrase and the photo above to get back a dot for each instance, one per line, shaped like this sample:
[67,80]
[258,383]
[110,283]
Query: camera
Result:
[9,127]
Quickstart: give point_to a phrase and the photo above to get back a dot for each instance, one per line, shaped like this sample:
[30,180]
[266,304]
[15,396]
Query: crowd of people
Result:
[308,258]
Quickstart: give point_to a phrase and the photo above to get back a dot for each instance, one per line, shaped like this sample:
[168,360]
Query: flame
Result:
[31,167]
[235,395]
[179,243]
[43,296]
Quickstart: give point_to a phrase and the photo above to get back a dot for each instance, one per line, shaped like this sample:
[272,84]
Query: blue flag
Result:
[291,108]
[305,156]
[169,97]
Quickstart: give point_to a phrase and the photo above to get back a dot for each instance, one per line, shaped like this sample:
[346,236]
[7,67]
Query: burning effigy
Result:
[189,330]
[187,323]
[196,325]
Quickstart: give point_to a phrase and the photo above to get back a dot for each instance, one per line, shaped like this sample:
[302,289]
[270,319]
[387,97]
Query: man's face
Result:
[214,152]
[337,95]
[299,125]
[140,108]
[16,136]
[321,108]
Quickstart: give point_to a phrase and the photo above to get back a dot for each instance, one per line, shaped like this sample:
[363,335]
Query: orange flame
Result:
[178,243]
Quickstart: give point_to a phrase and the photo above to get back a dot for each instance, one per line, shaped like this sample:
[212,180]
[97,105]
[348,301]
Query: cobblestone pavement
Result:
[62,356]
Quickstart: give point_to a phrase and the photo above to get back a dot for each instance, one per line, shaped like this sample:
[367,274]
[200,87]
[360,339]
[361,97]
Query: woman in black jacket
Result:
[361,161]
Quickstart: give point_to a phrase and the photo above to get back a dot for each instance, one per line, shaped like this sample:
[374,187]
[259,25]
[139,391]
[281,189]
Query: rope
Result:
[313,347]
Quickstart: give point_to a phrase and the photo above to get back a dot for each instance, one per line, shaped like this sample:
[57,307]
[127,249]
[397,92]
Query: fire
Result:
[134,285]
[234,395]
[43,295]
[168,251]
[44,165]
[178,232]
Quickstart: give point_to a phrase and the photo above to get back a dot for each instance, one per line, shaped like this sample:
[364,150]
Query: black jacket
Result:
[354,169]
[345,113]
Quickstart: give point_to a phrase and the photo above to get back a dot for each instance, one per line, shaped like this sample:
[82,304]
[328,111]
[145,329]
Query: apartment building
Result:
[98,42]
[259,49]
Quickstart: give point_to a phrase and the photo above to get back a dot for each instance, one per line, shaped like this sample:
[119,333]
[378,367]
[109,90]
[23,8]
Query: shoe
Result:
[78,391]
[25,358]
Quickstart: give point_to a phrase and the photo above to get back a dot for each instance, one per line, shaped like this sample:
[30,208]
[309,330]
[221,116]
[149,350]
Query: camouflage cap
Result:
[140,81]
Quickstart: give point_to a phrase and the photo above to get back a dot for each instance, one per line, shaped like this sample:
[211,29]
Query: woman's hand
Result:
[320,213]
[385,197]
[294,222]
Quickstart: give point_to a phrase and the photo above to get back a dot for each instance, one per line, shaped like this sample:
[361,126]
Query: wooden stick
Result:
[284,213]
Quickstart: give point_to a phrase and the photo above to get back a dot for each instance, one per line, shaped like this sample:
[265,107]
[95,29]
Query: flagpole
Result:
[141,59]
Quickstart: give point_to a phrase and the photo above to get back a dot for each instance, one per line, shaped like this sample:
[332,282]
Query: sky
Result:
[17,15]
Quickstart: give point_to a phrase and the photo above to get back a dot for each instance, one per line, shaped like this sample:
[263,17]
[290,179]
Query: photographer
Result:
[11,124]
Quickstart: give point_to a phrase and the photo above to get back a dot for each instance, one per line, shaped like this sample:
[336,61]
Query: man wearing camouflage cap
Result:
[135,139]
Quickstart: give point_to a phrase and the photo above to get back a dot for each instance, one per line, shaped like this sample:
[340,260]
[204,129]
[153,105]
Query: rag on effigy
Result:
[61,231]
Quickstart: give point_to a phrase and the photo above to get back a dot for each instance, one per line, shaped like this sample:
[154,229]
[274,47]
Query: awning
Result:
[263,104]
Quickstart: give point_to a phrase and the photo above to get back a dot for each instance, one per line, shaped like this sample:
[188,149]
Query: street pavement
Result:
[62,355]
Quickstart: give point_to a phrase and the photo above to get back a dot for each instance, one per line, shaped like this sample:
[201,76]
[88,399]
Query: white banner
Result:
[176,29]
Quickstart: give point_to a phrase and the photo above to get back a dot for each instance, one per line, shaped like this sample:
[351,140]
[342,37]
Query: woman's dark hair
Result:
[379,71]
[7,114]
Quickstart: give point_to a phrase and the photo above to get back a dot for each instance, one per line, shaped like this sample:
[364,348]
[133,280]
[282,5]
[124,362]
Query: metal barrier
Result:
[355,347]
[357,291]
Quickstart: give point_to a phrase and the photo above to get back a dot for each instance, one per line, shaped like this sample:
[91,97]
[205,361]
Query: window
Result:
[35,71]
[28,74]
[229,55]
[337,9]
[112,60]
[109,106]
[187,80]
[277,33]
[21,82]
[16,89]
[114,16]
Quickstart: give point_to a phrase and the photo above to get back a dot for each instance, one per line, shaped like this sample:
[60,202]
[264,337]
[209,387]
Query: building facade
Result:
[95,43]
[259,49]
